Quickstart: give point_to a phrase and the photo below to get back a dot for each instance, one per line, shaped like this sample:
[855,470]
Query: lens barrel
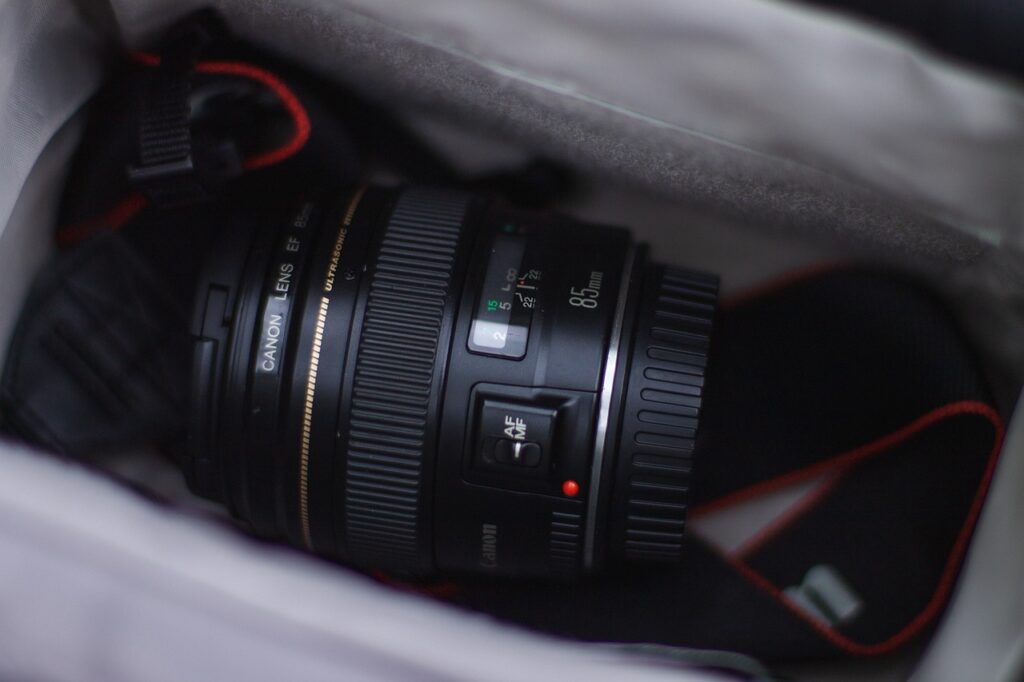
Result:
[420,380]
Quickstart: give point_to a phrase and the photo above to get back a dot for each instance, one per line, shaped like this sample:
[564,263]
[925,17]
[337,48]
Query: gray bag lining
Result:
[715,104]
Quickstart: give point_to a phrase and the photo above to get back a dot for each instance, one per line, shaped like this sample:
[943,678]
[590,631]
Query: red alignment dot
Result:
[571,488]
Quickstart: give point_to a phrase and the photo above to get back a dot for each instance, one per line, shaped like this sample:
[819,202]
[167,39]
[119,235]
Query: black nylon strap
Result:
[168,168]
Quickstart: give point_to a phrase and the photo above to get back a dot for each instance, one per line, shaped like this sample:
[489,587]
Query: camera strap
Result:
[170,169]
[849,427]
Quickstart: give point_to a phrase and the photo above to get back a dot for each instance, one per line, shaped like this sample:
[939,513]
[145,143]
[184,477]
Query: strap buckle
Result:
[171,170]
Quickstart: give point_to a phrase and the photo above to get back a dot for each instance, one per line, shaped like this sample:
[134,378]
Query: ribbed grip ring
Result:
[661,412]
[388,446]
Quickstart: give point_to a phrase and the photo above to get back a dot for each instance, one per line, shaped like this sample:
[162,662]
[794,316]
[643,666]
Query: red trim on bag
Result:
[843,463]
[112,220]
[145,58]
[778,283]
[300,119]
[439,590]
[808,502]
[845,459]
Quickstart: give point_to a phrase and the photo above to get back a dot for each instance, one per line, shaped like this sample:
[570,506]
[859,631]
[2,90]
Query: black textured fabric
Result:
[822,368]
[801,376]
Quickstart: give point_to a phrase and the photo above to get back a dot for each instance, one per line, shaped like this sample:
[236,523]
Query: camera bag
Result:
[924,180]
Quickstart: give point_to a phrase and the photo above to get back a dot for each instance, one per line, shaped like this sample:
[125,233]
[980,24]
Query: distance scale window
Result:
[508,297]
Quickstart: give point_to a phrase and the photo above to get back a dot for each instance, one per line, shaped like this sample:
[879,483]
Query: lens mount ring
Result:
[661,410]
[612,359]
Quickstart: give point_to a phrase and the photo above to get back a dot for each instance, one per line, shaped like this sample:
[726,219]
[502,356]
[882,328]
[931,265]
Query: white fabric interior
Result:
[49,66]
[759,159]
[109,589]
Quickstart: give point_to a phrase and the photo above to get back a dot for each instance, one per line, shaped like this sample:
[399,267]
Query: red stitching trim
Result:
[112,220]
[145,58]
[845,459]
[790,515]
[440,590]
[949,572]
[776,284]
[291,103]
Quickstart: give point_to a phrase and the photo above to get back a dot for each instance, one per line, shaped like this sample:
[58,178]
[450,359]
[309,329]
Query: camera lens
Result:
[420,379]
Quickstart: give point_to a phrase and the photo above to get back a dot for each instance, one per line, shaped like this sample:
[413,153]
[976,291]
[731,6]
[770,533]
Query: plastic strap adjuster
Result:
[167,171]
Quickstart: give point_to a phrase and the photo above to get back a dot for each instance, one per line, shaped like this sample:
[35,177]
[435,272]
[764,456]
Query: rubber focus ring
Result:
[390,449]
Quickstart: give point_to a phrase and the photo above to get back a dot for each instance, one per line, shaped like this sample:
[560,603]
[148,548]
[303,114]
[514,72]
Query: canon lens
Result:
[423,380]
